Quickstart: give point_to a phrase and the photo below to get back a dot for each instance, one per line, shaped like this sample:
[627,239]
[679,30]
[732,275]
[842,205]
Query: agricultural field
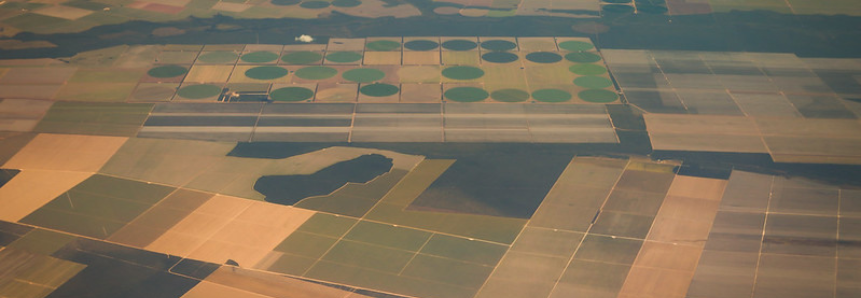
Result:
[430,149]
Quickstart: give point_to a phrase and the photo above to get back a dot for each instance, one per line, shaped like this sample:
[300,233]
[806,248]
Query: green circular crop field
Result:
[344,57]
[459,45]
[499,57]
[498,45]
[218,57]
[575,46]
[582,57]
[302,58]
[363,75]
[587,69]
[259,57]
[551,95]
[383,45]
[199,91]
[291,94]
[379,90]
[598,95]
[315,4]
[543,57]
[466,94]
[421,45]
[266,72]
[462,73]
[593,82]
[285,2]
[167,71]
[346,3]
[509,95]
[316,72]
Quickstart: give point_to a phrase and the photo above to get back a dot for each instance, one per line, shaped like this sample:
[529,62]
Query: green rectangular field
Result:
[448,271]
[41,241]
[387,282]
[328,225]
[388,236]
[306,244]
[73,223]
[472,251]
[368,256]
[291,264]
[551,242]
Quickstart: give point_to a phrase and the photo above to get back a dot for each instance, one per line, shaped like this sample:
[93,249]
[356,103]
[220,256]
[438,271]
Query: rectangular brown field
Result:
[346,44]
[37,76]
[177,57]
[162,8]
[814,150]
[24,107]
[707,142]
[700,124]
[504,77]
[645,282]
[273,285]
[95,92]
[29,91]
[224,47]
[461,58]
[31,189]
[807,127]
[420,74]
[209,73]
[421,93]
[63,12]
[421,58]
[66,153]
[208,289]
[671,256]
[337,92]
[698,188]
[548,74]
[382,58]
[251,235]
[536,44]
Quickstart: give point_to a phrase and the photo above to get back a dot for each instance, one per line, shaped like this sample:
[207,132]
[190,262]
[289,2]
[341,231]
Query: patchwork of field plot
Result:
[796,110]
[432,69]
[75,16]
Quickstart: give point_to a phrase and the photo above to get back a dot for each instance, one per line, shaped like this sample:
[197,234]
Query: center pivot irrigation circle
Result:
[466,94]
[587,69]
[259,57]
[543,57]
[421,45]
[462,73]
[575,46]
[582,57]
[363,75]
[167,71]
[459,45]
[266,72]
[316,72]
[291,94]
[551,95]
[199,91]
[509,95]
[379,90]
[498,45]
[499,57]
